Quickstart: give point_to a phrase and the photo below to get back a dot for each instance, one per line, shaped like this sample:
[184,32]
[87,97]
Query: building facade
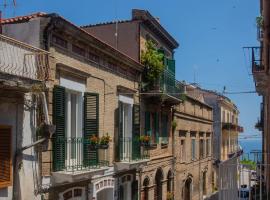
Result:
[93,92]
[24,71]
[226,151]
[193,149]
[260,71]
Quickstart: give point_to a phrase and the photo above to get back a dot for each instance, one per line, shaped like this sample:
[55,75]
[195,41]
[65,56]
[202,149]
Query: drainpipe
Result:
[173,152]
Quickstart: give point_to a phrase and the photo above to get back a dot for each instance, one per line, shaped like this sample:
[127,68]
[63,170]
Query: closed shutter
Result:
[136,132]
[91,115]
[59,120]
[119,140]
[5,157]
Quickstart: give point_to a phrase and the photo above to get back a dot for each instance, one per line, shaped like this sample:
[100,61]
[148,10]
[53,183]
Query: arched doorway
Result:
[187,189]
[105,194]
[158,182]
[145,189]
[204,183]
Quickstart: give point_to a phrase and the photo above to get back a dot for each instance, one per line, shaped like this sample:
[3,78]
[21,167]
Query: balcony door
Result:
[74,123]
[125,136]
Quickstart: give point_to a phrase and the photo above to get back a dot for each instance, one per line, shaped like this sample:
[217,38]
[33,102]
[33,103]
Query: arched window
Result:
[158,182]
[170,182]
[145,189]
[187,189]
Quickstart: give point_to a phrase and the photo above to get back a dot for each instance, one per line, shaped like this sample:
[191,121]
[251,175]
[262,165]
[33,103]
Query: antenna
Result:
[11,3]
[116,25]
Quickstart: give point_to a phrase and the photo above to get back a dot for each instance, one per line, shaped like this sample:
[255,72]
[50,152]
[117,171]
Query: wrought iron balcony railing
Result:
[22,60]
[232,127]
[167,84]
[257,64]
[76,154]
[130,149]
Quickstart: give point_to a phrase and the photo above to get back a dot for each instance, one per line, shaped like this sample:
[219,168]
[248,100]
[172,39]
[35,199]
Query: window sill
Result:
[164,145]
[151,146]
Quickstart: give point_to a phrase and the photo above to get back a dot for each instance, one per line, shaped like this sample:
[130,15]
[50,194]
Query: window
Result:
[70,150]
[60,41]
[208,147]
[93,57]
[201,148]
[223,116]
[5,157]
[164,129]
[228,117]
[152,125]
[193,149]
[182,151]
[78,50]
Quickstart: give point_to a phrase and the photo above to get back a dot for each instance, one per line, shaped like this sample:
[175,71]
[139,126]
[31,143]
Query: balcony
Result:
[22,65]
[232,127]
[236,153]
[167,88]
[75,159]
[258,69]
[131,154]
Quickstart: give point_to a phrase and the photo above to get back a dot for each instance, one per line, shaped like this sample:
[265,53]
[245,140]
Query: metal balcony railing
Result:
[167,84]
[76,154]
[259,33]
[130,149]
[232,127]
[22,60]
[257,65]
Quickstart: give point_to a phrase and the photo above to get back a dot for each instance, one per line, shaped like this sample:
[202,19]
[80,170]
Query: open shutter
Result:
[164,122]
[171,65]
[147,127]
[156,125]
[91,122]
[120,139]
[5,157]
[136,132]
[59,120]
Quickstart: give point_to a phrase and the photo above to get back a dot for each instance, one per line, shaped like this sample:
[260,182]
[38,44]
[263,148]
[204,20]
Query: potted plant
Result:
[104,141]
[170,196]
[144,140]
[93,142]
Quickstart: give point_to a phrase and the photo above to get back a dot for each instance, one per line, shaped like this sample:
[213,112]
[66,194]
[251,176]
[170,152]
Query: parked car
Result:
[243,193]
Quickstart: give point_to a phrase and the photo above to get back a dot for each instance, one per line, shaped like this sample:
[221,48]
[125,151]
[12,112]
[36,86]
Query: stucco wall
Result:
[21,118]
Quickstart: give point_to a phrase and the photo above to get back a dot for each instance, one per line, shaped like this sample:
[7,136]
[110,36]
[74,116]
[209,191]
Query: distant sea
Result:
[249,145]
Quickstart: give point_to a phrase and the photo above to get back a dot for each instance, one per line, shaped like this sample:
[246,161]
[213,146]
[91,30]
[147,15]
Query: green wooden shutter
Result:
[164,123]
[147,127]
[59,120]
[156,125]
[136,132]
[120,141]
[135,189]
[171,65]
[91,126]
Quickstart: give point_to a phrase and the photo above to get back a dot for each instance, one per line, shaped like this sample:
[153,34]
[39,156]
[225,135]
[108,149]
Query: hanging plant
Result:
[259,21]
[153,62]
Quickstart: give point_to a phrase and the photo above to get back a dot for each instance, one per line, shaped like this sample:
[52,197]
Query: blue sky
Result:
[211,34]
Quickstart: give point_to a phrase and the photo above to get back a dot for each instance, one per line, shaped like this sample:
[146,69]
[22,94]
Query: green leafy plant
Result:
[170,196]
[174,125]
[183,97]
[248,163]
[153,62]
[259,21]
[105,139]
[94,140]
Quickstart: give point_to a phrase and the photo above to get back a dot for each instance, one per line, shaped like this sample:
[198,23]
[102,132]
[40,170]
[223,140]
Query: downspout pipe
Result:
[173,151]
